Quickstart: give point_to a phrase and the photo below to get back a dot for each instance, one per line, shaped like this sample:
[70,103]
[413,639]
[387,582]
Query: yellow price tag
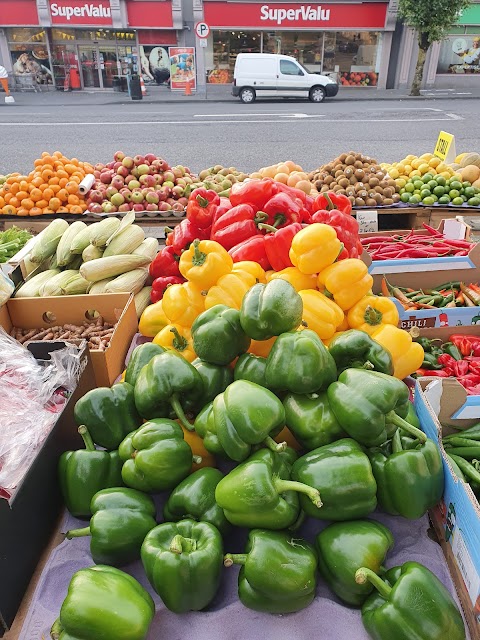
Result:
[445,147]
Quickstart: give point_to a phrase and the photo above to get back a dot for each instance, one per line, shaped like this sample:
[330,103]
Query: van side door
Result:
[291,81]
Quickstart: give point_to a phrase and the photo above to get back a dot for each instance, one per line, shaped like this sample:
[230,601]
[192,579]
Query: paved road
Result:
[199,135]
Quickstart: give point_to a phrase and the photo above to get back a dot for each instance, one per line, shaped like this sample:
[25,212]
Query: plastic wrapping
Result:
[32,394]
[6,288]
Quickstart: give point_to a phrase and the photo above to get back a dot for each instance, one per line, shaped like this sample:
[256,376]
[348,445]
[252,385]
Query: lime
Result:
[432,184]
[414,200]
[439,191]
[409,187]
[444,200]
[441,181]
[454,193]
[402,190]
[457,201]
[469,192]
[427,177]
[429,200]
[466,184]
[455,184]
[417,192]
[418,184]
[425,193]
[405,197]
[474,202]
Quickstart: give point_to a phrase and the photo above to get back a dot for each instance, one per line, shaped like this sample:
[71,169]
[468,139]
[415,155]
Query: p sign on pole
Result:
[202,29]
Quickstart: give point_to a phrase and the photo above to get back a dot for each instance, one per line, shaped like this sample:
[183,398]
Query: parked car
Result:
[265,75]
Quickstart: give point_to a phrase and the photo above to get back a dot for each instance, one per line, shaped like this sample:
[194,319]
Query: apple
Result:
[158,177]
[111,191]
[126,193]
[99,167]
[109,165]
[117,182]
[183,201]
[117,199]
[95,207]
[147,180]
[162,195]
[164,166]
[128,162]
[169,176]
[138,207]
[150,157]
[96,174]
[152,198]
[122,171]
[187,180]
[151,206]
[168,183]
[178,191]
[156,166]
[108,207]
[118,156]
[178,172]
[128,178]
[138,160]
[126,206]
[181,181]
[95,196]
[164,206]
[134,184]
[106,177]
[143,169]
[171,201]
[177,207]
[137,197]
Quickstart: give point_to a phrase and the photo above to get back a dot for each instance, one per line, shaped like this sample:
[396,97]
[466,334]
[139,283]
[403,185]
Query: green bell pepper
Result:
[365,402]
[260,493]
[156,456]
[411,603]
[194,498]
[205,427]
[162,383]
[356,349]
[341,472]
[344,547]
[121,520]
[104,602]
[108,413]
[84,472]
[218,337]
[215,379]
[246,414]
[409,481]
[270,309]
[252,368]
[299,362]
[278,574]
[183,562]
[141,356]
[311,419]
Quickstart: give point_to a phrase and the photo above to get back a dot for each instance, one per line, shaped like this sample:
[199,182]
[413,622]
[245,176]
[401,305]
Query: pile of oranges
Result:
[52,187]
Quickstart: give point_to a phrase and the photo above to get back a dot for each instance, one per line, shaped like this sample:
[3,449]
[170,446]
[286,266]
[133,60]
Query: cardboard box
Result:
[457,518]
[29,518]
[33,313]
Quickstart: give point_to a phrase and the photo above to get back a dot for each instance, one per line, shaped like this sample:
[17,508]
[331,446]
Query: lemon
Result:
[414,173]
[427,156]
[400,182]
[423,168]
[393,173]
[408,169]
[434,162]
[417,163]
[460,157]
[401,169]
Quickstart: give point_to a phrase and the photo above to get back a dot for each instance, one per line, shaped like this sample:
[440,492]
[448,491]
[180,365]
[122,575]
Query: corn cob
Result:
[54,286]
[142,300]
[82,240]
[126,221]
[75,286]
[64,253]
[48,241]
[125,242]
[75,263]
[103,231]
[32,286]
[91,253]
[130,282]
[99,286]
[148,248]
[102,268]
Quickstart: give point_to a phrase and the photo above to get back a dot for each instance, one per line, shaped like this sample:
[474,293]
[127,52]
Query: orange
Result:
[9,210]
[76,178]
[47,174]
[22,194]
[83,206]
[48,193]
[54,203]
[70,168]
[23,185]
[48,160]
[63,182]
[38,163]
[15,188]
[62,195]
[27,203]
[61,173]
[7,197]
[15,202]
[62,210]
[36,194]
[54,180]
[37,181]
[41,204]
[2,202]
[21,211]
[35,211]
[74,161]
[55,188]
[71,187]
[72,199]
[75,209]
[57,154]
[47,210]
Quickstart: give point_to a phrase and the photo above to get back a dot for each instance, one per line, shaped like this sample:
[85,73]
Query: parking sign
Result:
[202,29]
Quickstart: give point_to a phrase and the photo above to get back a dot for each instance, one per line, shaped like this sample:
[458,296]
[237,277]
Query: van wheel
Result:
[247,95]
[317,94]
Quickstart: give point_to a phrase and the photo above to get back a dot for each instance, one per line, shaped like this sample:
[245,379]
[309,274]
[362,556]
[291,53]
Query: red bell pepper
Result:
[236,225]
[331,200]
[160,285]
[224,206]
[346,228]
[201,207]
[466,344]
[165,263]
[251,249]
[292,191]
[283,209]
[184,234]
[278,243]
[254,192]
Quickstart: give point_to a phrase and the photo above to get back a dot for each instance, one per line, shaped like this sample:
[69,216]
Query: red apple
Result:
[122,171]
[109,165]
[150,157]
[143,169]
[178,172]
[158,177]
[151,206]
[96,174]
[163,164]
[168,183]
[126,193]
[128,162]
[118,156]
[177,207]
[187,179]
[181,181]
[126,206]
[171,201]
[95,207]
[178,191]
[129,178]
[164,206]
[106,177]
[152,198]
[117,182]
[162,195]
[169,176]
[99,166]
[108,207]
[95,196]
[138,207]
[148,180]
[138,160]
[183,201]
[111,191]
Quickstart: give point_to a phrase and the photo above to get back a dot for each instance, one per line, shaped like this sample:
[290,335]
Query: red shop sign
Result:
[81,12]
[150,14]
[282,16]
[18,12]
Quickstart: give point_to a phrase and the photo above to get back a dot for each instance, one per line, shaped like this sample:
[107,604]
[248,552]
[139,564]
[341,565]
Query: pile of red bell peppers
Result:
[458,358]
[257,222]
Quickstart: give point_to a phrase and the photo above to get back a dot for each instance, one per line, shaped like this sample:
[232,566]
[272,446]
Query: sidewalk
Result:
[221,93]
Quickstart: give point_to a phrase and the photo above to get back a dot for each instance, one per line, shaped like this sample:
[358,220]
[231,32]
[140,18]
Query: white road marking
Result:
[302,115]
[236,115]
[454,116]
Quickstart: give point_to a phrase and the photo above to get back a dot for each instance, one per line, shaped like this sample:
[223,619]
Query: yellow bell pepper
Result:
[230,289]
[407,355]
[204,262]
[261,347]
[320,314]
[296,278]
[314,248]
[348,281]
[371,312]
[196,445]
[152,320]
[182,303]
[251,267]
[343,326]
[177,338]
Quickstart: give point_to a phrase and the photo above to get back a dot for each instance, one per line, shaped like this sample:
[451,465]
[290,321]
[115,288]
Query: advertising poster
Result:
[182,68]
[155,64]
[32,63]
[460,55]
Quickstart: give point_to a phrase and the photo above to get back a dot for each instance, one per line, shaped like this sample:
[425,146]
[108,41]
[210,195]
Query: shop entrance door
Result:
[107,57]
[88,57]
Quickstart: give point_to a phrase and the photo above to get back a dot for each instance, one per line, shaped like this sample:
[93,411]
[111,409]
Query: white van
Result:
[265,75]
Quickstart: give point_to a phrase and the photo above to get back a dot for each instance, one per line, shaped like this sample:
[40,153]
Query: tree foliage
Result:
[432,19]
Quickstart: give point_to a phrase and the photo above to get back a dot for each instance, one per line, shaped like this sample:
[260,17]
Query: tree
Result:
[432,20]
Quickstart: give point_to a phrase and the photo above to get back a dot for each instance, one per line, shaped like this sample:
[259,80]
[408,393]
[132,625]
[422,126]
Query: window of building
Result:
[30,56]
[460,54]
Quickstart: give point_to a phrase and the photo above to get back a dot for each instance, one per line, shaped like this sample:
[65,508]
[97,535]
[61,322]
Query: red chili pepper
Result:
[236,225]
[474,367]
[160,285]
[282,209]
[460,368]
[251,249]
[464,344]
[332,200]
[431,230]
[165,263]
[253,192]
[440,373]
[184,234]
[278,243]
[224,206]
[446,360]
[201,207]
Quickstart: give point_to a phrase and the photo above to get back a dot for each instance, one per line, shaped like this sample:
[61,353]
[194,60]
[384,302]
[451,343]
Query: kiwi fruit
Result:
[359,187]
[362,194]
[358,164]
[396,198]
[344,182]
[328,179]
[388,192]
[370,202]
[350,191]
[338,173]
[359,174]
[384,184]
[373,182]
[350,160]
[378,198]
[388,201]
[359,202]
[348,172]
[352,199]
[378,189]
[342,157]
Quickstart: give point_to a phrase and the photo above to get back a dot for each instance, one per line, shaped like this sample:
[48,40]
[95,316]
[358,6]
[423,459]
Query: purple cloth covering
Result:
[227,618]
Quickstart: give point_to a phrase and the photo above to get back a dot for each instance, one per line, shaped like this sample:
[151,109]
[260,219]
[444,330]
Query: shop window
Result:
[27,35]
[304,46]
[63,34]
[290,68]
[460,55]
[30,56]
[356,57]
[226,46]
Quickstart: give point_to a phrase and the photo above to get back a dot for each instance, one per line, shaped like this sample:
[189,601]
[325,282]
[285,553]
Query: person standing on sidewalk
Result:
[4,83]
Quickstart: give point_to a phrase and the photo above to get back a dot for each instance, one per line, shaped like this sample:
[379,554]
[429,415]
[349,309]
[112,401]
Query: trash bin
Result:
[123,83]
[135,87]
[117,84]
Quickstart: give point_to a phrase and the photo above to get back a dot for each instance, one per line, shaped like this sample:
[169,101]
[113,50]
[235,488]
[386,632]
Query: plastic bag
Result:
[6,288]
